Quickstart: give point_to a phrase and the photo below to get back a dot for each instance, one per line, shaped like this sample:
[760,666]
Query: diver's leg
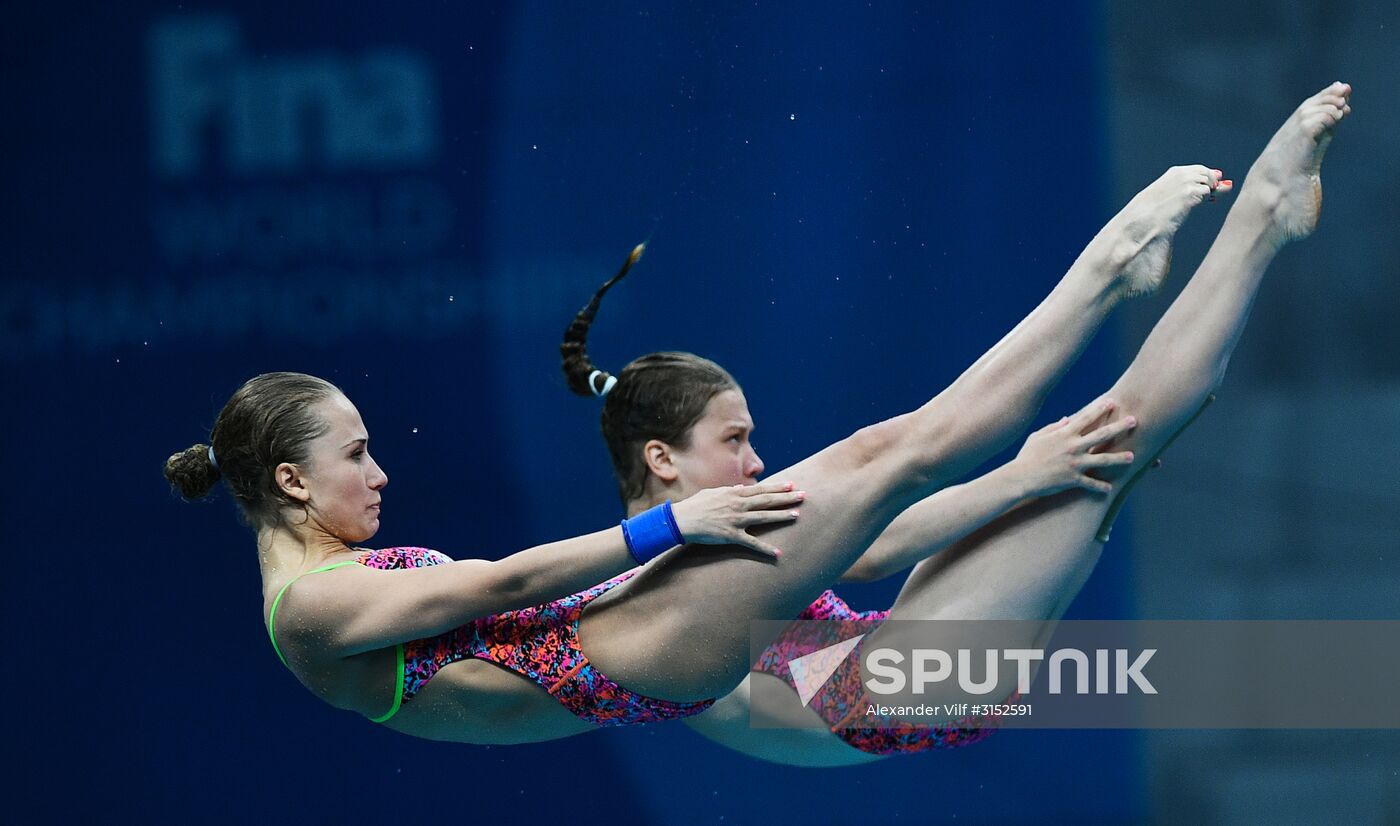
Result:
[1032,562]
[1185,356]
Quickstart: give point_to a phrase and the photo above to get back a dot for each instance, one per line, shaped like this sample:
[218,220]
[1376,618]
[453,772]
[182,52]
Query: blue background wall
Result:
[845,207]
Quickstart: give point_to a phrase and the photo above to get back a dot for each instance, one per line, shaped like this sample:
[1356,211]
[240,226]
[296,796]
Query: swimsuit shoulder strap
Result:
[272,615]
[370,559]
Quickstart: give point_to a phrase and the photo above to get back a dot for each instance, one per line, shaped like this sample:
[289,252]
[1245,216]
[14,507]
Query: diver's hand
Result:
[718,516]
[1059,456]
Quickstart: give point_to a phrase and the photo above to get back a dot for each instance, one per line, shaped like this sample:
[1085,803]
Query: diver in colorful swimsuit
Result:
[996,563]
[423,618]
[541,645]
[293,451]
[684,394]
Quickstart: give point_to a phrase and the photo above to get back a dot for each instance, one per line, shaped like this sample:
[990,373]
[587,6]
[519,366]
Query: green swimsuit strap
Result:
[398,655]
[272,615]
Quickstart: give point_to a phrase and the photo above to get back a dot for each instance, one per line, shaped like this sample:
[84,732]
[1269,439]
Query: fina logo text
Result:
[927,666]
[276,113]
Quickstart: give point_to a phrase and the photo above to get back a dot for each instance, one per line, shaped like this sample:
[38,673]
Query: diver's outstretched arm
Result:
[357,609]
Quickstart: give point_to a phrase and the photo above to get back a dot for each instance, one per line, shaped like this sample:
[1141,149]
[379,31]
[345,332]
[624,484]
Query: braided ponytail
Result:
[585,379]
[657,396]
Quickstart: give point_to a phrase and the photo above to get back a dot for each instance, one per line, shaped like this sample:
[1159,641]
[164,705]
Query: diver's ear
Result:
[660,461]
[290,481]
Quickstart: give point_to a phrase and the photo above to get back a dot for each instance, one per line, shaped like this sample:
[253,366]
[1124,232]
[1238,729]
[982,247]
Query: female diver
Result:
[674,422]
[466,640]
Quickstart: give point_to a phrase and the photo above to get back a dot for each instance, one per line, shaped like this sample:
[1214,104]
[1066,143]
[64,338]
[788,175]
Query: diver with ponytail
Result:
[663,638]
[1001,546]
[659,396]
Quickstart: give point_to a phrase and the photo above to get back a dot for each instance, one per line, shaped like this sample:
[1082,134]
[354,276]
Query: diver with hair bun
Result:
[489,652]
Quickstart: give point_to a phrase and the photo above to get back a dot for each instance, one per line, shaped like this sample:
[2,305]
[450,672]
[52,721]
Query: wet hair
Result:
[268,421]
[658,396]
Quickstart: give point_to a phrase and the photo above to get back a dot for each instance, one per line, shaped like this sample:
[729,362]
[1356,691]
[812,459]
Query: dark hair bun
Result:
[191,474]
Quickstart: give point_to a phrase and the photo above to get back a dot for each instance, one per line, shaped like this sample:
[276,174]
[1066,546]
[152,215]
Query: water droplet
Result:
[792,117]
[534,146]
[415,430]
[451,298]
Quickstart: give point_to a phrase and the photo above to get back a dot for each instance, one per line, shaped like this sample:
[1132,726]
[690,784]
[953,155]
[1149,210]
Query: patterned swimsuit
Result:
[541,644]
[842,699]
[538,643]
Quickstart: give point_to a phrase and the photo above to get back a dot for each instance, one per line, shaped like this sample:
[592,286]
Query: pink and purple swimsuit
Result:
[541,644]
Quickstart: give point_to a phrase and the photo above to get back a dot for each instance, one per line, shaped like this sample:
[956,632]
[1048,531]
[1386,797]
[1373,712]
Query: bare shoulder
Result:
[305,607]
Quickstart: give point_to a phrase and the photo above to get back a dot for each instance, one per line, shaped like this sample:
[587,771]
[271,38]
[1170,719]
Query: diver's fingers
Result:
[769,501]
[1107,433]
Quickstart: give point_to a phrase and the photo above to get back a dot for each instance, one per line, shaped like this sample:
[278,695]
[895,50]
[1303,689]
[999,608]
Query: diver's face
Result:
[342,481]
[719,452]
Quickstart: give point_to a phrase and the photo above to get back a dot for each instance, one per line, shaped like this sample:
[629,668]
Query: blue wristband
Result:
[651,533]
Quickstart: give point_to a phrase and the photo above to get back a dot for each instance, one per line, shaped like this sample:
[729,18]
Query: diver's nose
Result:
[754,468]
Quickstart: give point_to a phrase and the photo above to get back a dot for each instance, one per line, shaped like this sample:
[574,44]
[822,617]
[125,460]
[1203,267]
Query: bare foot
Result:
[1141,235]
[1286,180]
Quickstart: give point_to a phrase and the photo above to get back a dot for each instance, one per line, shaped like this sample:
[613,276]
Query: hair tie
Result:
[212,460]
[607,385]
